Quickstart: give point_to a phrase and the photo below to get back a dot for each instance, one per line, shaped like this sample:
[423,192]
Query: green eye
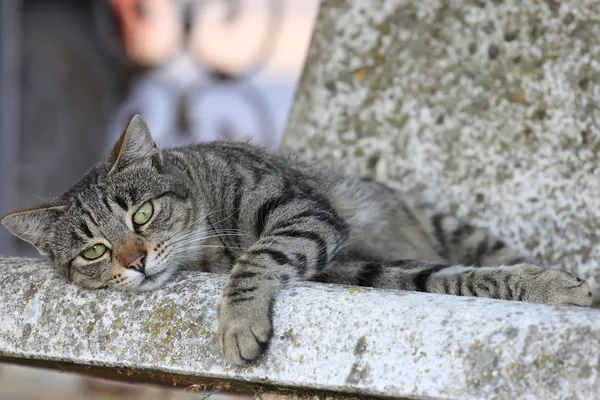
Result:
[143,214]
[96,251]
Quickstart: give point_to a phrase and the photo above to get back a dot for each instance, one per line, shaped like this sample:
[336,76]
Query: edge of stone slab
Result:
[363,341]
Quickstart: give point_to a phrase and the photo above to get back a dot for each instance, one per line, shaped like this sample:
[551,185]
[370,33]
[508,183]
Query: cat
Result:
[267,219]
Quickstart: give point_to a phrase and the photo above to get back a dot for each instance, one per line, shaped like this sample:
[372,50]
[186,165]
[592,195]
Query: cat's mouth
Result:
[154,281]
[154,277]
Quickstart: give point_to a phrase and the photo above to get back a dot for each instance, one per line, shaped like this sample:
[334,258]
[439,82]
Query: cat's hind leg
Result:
[460,242]
[521,282]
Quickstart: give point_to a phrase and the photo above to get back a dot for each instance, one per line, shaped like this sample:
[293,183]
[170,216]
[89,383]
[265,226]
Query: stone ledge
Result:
[341,339]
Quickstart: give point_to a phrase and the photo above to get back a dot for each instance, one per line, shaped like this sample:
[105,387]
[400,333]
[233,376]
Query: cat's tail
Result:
[523,282]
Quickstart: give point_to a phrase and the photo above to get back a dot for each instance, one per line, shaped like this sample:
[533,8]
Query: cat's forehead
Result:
[99,201]
[132,184]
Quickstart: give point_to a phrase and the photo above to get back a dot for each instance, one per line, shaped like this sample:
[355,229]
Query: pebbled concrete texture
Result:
[361,341]
[489,108]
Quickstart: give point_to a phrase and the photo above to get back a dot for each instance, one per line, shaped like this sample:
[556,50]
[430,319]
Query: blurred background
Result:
[72,72]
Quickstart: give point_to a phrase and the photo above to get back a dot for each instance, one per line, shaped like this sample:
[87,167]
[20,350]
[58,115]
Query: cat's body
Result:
[267,219]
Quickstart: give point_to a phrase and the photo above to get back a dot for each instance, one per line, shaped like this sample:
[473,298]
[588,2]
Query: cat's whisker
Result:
[227,217]
[223,247]
[180,235]
[39,197]
[200,247]
[191,245]
[194,232]
[231,232]
[222,209]
[192,237]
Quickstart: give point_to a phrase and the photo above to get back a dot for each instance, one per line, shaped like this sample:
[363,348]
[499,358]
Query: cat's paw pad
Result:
[243,339]
[555,286]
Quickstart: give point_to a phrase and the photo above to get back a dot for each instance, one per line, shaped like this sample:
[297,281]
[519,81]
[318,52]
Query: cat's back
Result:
[224,157]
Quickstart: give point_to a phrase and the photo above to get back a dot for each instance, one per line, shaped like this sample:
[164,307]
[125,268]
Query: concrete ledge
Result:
[341,339]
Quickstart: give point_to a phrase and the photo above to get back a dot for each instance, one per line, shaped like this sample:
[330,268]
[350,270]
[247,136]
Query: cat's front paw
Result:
[555,286]
[244,333]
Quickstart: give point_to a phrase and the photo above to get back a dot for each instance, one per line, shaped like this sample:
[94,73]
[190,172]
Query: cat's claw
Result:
[243,339]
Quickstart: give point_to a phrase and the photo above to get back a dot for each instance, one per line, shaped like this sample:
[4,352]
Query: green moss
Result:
[90,327]
[26,332]
[361,346]
[118,323]
[165,326]
[31,292]
[358,374]
[288,335]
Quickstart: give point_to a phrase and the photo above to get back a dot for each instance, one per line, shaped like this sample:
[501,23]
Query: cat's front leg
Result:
[246,309]
[297,242]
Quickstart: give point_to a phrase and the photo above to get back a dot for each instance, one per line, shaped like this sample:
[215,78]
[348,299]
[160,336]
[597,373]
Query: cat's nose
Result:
[138,262]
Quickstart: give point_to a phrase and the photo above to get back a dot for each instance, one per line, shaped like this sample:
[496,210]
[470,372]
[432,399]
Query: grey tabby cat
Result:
[267,220]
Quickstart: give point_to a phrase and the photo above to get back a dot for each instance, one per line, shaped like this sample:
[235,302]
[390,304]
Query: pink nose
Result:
[138,263]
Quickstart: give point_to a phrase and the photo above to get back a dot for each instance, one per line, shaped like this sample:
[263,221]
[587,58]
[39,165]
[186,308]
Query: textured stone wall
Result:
[490,107]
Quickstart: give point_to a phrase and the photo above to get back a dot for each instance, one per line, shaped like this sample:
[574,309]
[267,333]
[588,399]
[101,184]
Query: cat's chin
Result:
[155,281]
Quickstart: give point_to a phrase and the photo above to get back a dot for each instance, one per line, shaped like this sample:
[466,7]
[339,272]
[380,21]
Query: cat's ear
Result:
[33,225]
[134,144]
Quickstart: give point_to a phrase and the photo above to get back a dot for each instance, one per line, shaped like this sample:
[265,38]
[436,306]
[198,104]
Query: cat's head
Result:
[128,224]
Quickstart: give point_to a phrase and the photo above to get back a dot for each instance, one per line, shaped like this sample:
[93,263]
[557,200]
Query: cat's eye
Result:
[96,251]
[143,214]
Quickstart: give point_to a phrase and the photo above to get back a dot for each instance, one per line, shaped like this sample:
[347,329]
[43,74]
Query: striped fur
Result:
[268,220]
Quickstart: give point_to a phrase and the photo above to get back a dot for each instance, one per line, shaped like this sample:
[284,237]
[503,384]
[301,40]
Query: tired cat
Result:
[267,220]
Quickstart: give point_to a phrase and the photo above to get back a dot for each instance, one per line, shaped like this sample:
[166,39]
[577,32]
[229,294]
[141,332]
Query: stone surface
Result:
[489,107]
[342,339]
